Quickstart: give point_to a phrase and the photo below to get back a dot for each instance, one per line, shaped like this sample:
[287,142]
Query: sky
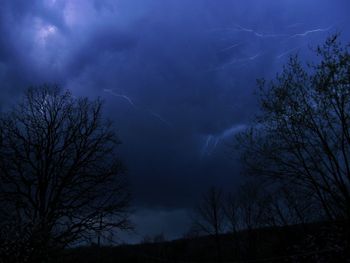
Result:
[178,78]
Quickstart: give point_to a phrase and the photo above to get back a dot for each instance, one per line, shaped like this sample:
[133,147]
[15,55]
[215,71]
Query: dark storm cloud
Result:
[177,76]
[103,42]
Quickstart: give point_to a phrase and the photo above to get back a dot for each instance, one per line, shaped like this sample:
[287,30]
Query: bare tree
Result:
[209,216]
[231,210]
[252,206]
[302,135]
[291,206]
[253,213]
[232,218]
[60,178]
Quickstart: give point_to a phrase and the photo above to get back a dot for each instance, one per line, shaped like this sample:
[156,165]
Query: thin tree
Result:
[231,210]
[253,203]
[252,206]
[232,217]
[59,173]
[209,216]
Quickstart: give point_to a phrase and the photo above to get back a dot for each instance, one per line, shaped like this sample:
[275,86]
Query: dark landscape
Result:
[174,131]
[308,243]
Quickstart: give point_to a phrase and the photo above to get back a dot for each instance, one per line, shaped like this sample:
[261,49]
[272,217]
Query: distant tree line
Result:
[251,207]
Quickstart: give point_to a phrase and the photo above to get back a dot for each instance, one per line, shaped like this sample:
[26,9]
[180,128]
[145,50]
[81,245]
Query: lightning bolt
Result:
[206,145]
[241,60]
[232,131]
[213,140]
[160,118]
[128,99]
[230,47]
[239,28]
[216,143]
[287,52]
[308,32]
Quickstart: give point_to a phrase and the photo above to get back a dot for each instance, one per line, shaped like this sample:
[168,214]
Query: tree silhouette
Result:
[209,216]
[60,178]
[301,137]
